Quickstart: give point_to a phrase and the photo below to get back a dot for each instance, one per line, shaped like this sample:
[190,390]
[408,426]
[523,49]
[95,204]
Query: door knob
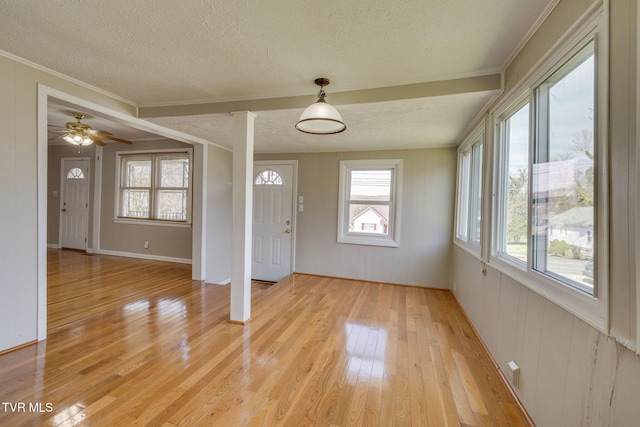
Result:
[288,231]
[63,210]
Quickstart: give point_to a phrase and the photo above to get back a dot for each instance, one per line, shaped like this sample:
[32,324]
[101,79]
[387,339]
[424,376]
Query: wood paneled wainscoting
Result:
[148,346]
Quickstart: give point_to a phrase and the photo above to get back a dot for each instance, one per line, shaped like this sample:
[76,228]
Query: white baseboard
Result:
[53,246]
[143,256]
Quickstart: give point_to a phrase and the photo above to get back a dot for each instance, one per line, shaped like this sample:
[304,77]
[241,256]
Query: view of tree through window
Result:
[563,174]
[154,186]
[516,197]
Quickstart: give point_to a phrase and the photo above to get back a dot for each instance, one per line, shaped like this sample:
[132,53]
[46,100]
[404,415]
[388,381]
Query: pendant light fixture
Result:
[321,118]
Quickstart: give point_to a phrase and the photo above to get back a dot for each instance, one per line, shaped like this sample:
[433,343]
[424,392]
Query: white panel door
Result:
[272,221]
[74,209]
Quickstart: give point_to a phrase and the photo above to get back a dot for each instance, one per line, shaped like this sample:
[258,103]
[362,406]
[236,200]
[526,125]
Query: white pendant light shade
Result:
[321,118]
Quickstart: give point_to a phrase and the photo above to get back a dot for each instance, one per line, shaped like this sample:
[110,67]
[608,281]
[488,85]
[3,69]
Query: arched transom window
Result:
[268,177]
[75,173]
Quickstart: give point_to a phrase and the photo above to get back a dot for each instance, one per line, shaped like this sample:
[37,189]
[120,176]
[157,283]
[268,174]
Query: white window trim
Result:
[593,310]
[393,239]
[155,222]
[467,147]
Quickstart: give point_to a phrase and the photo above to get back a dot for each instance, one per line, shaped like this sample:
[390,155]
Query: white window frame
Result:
[392,239]
[470,182]
[501,179]
[154,187]
[591,309]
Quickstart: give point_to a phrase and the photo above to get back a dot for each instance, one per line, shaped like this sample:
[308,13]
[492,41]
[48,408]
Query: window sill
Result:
[369,240]
[471,248]
[153,222]
[590,309]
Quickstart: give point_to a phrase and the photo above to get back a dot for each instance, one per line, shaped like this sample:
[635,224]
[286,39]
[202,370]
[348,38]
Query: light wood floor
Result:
[138,343]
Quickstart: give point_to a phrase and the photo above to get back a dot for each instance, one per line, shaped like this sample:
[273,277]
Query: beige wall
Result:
[164,241]
[572,374]
[19,171]
[424,255]
[219,216]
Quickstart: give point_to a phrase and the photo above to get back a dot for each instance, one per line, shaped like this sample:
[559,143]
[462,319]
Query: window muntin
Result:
[154,186]
[75,173]
[268,177]
[368,206]
[512,240]
[563,178]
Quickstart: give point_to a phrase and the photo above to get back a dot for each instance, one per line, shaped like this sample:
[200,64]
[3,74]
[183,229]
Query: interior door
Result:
[272,221]
[74,203]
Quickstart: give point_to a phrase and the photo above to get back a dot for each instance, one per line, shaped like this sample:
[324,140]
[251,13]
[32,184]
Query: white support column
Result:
[242,216]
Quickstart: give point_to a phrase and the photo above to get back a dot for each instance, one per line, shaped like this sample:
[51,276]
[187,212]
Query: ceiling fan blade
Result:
[113,138]
[56,126]
[55,137]
[96,140]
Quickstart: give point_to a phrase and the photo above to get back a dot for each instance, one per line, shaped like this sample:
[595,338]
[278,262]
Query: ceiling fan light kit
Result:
[321,118]
[80,134]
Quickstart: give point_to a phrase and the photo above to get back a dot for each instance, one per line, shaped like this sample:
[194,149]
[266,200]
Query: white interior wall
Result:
[572,374]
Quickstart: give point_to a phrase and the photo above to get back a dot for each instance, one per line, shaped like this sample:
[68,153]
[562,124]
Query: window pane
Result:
[172,205]
[137,173]
[370,219]
[463,195]
[174,172]
[475,202]
[269,177]
[135,203]
[563,174]
[371,185]
[75,173]
[516,193]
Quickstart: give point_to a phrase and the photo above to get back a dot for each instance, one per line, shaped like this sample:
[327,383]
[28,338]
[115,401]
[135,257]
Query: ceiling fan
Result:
[81,134]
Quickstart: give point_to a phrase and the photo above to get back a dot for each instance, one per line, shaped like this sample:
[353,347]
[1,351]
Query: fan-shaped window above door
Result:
[75,173]
[269,177]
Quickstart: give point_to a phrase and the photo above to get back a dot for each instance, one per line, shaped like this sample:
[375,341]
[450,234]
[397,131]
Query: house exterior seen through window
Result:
[368,208]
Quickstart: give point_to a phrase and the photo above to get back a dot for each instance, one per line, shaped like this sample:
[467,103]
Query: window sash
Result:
[563,209]
[513,185]
[382,203]
[159,198]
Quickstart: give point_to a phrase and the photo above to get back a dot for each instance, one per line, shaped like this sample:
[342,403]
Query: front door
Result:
[272,221]
[74,203]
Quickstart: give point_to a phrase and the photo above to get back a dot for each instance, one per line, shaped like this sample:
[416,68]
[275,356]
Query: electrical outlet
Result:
[146,245]
[513,373]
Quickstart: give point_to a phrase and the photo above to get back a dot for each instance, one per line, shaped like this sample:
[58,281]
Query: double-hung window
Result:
[154,186]
[469,196]
[369,204]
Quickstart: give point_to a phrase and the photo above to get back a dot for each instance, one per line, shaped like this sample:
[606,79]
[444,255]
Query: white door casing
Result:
[74,203]
[273,221]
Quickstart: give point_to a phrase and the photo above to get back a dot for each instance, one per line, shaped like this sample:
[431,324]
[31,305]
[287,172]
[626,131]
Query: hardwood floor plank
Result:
[136,342]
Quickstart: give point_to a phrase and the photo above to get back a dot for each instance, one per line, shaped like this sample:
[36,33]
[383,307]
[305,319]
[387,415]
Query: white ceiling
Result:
[175,53]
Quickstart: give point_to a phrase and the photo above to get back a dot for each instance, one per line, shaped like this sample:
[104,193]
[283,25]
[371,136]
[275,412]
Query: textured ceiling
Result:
[166,53]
